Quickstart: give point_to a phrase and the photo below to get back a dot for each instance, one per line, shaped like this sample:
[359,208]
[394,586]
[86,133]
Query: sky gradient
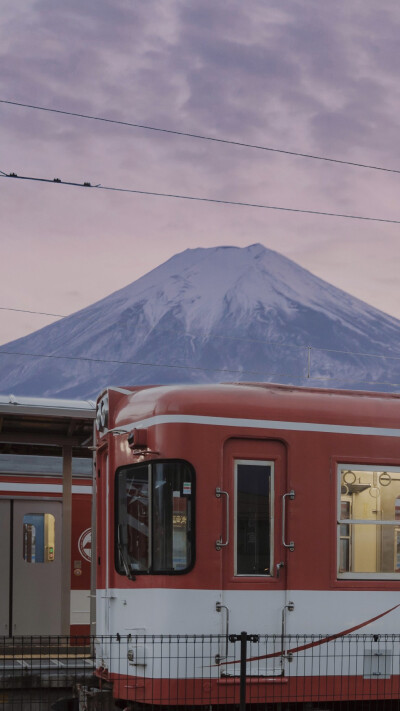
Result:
[312,77]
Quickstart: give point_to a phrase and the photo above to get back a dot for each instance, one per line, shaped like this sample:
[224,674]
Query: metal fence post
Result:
[243,638]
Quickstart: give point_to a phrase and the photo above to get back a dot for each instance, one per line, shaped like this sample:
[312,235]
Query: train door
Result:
[253,547]
[36,567]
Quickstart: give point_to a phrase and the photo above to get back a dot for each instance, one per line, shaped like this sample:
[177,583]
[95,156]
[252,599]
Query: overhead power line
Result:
[26,311]
[308,377]
[151,365]
[320,378]
[284,345]
[58,181]
[201,137]
[273,344]
[355,353]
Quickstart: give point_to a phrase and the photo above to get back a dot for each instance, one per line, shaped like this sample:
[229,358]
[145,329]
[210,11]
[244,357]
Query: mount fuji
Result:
[211,315]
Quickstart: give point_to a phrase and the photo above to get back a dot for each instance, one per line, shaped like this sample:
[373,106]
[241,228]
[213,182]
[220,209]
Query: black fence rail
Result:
[40,671]
[201,671]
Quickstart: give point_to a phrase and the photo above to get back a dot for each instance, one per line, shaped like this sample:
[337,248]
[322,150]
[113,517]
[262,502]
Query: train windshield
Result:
[154,518]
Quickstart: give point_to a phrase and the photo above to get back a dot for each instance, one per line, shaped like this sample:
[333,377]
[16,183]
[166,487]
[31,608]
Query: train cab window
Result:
[253,517]
[368,522]
[38,538]
[154,518]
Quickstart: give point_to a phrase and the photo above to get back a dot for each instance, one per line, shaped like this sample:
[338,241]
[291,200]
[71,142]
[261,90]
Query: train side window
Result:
[368,522]
[345,538]
[38,538]
[253,517]
[154,518]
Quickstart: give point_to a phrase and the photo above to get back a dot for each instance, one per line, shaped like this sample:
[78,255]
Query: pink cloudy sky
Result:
[315,77]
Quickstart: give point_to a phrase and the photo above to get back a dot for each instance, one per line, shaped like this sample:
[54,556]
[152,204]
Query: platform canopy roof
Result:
[39,425]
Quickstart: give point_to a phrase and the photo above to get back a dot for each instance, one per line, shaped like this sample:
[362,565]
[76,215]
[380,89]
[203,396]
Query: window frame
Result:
[345,499]
[48,527]
[260,463]
[119,568]
[367,467]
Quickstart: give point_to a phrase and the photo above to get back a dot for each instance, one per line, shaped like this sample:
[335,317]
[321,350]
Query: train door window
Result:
[345,537]
[154,518]
[368,506]
[38,538]
[253,517]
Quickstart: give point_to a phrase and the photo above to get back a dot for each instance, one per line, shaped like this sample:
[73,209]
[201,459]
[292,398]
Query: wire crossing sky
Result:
[197,136]
[58,181]
[262,375]
[275,344]
[191,101]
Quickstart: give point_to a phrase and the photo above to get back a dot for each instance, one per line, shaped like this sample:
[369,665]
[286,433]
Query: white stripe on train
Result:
[256,424]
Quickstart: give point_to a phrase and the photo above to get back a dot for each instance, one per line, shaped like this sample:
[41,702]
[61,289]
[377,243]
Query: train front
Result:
[146,584]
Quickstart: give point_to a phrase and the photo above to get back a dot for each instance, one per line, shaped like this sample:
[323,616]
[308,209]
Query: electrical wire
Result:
[26,311]
[284,345]
[244,339]
[321,378]
[201,137]
[197,199]
[355,353]
[152,365]
[304,377]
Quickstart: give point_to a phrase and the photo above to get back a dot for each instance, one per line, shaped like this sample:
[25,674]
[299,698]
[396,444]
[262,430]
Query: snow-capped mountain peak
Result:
[209,314]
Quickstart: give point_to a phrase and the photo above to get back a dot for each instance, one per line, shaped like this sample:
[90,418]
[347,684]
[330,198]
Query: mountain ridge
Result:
[190,311]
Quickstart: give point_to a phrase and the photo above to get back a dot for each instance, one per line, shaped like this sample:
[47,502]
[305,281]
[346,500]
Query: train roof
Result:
[255,401]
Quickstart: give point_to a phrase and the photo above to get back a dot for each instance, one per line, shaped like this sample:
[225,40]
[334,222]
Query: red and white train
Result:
[31,507]
[255,507]
[40,592]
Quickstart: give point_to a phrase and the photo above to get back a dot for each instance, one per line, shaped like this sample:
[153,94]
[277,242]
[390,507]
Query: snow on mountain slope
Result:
[228,313]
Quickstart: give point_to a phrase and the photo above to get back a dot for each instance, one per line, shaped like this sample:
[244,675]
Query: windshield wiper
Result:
[122,552]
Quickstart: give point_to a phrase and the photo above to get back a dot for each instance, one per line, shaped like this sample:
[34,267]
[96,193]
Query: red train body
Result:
[253,507]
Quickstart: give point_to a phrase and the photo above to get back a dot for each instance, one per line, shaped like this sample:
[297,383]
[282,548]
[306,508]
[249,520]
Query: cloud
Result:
[314,77]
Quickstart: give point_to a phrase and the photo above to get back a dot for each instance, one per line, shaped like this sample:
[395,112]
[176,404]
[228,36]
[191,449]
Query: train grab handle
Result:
[291,496]
[220,543]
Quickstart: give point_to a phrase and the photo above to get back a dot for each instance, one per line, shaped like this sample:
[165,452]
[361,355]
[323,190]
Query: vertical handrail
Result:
[219,607]
[220,543]
[291,496]
[290,607]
